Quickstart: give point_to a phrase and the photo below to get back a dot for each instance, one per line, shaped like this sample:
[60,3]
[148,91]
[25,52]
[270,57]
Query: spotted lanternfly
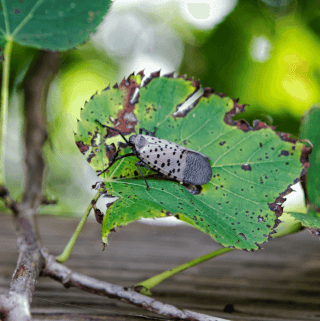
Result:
[172,160]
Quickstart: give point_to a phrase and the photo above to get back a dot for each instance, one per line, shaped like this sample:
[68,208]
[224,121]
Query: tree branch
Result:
[16,304]
[36,92]
[69,279]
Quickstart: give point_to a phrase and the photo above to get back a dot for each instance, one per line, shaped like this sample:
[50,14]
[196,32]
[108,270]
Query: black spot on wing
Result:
[168,158]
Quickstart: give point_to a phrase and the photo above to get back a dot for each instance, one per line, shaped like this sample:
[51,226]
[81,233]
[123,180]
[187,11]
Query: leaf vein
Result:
[27,18]
[234,146]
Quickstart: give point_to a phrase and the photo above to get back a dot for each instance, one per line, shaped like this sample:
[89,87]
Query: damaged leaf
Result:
[253,167]
[51,25]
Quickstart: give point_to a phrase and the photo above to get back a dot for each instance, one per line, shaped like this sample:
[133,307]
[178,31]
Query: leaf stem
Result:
[67,250]
[155,280]
[5,103]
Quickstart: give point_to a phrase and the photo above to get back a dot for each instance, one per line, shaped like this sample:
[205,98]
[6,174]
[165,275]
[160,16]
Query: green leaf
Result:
[310,220]
[50,24]
[310,130]
[253,168]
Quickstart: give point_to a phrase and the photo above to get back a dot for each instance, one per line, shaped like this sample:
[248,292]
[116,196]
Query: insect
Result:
[172,160]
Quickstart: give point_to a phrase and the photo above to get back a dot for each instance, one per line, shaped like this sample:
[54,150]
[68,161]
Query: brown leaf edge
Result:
[126,121]
[277,205]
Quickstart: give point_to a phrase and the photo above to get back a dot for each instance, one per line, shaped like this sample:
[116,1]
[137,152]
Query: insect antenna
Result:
[115,129]
[115,158]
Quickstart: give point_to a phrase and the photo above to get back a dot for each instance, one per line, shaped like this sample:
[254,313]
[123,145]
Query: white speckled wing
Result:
[166,157]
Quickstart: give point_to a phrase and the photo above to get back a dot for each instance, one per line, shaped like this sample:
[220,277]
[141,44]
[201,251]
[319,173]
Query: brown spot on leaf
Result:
[110,151]
[169,75]
[286,137]
[82,147]
[126,120]
[242,235]
[207,92]
[258,124]
[283,153]
[276,206]
[246,167]
[93,139]
[153,75]
[237,109]
[89,158]
[97,213]
[304,159]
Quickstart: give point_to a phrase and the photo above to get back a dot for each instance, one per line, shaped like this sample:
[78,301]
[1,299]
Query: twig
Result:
[4,104]
[67,250]
[69,279]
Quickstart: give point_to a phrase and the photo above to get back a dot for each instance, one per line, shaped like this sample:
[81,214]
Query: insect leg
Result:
[114,160]
[115,129]
[140,163]
[146,166]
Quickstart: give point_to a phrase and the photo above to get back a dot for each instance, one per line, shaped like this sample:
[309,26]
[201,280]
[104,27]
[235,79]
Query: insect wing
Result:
[191,150]
[164,156]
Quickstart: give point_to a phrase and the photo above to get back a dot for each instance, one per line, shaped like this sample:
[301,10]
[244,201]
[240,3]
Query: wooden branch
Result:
[16,304]
[69,279]
[36,92]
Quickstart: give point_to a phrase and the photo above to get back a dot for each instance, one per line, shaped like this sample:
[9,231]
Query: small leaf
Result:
[50,24]
[253,167]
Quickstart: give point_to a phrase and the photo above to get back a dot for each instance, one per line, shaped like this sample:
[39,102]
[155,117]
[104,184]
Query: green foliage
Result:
[310,130]
[269,60]
[253,168]
[50,24]
[310,220]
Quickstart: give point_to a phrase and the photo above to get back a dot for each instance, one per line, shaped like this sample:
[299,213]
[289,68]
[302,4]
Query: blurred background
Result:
[264,52]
